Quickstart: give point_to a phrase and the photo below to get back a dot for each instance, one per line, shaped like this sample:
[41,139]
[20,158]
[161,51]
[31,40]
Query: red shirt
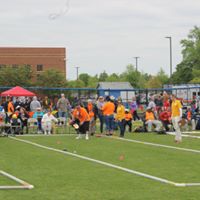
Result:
[165,116]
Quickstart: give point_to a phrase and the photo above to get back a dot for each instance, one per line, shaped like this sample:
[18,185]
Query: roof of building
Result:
[114,85]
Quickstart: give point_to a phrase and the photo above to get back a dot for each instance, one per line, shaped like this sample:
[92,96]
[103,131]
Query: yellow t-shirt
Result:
[120,113]
[176,105]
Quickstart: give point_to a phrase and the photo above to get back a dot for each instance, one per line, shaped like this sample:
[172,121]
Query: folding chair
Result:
[32,125]
[61,126]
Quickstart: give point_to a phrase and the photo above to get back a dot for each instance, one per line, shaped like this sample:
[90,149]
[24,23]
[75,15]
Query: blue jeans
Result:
[62,114]
[109,119]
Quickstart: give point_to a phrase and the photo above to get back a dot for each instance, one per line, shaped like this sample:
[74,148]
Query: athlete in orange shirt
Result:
[108,112]
[82,115]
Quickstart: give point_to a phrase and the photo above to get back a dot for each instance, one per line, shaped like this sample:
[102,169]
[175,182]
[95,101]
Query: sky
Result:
[102,35]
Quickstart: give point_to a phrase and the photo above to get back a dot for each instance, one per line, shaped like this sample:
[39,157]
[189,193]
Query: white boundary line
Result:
[24,185]
[184,135]
[42,135]
[110,165]
[153,144]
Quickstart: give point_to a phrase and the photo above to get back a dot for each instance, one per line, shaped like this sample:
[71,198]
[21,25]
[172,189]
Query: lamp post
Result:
[77,72]
[136,62]
[170,53]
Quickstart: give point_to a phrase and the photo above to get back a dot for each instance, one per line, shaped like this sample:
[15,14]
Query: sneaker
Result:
[87,137]
[78,137]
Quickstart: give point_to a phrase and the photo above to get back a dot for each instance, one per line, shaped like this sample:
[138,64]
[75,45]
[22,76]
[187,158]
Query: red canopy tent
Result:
[17,92]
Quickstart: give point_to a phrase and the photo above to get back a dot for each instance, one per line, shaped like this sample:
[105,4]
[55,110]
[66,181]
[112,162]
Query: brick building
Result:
[39,59]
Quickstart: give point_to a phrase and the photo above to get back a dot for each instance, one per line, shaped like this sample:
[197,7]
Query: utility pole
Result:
[136,62]
[77,73]
[170,53]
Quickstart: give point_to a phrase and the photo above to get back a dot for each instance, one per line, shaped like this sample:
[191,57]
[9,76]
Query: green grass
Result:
[62,177]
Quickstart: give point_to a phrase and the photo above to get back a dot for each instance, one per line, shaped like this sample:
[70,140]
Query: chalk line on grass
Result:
[153,144]
[185,135]
[42,135]
[24,185]
[162,180]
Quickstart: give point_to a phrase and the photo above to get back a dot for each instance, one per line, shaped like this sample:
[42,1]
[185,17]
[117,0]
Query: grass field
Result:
[58,176]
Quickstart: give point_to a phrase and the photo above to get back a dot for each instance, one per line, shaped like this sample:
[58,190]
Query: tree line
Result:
[187,71]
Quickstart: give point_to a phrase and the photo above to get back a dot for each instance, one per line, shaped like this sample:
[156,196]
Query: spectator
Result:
[99,104]
[165,118]
[120,117]
[108,112]
[23,116]
[159,103]
[128,120]
[38,115]
[47,120]
[133,108]
[35,104]
[63,106]
[176,116]
[46,104]
[90,110]
[150,120]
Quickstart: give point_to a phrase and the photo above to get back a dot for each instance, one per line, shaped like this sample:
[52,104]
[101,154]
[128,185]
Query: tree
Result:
[75,84]
[134,77]
[103,76]
[85,78]
[20,75]
[113,78]
[162,77]
[191,58]
[51,78]
[154,82]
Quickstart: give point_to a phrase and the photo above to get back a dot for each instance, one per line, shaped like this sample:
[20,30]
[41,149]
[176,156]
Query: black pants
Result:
[84,128]
[101,120]
[135,115]
[129,124]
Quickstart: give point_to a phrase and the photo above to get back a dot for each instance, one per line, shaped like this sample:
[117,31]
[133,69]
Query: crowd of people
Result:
[163,113]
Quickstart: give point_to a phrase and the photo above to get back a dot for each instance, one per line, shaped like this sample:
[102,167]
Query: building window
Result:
[39,68]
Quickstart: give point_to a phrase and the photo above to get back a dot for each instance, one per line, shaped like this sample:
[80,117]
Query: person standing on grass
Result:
[120,117]
[176,109]
[91,112]
[108,112]
[99,104]
[63,106]
[81,114]
[133,108]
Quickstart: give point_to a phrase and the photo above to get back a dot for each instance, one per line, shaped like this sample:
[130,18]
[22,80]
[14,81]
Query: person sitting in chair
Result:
[38,115]
[151,120]
[47,120]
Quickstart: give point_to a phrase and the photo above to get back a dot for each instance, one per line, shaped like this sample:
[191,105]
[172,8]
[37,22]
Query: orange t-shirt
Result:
[10,107]
[81,114]
[108,108]
[149,116]
[128,116]
[90,110]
